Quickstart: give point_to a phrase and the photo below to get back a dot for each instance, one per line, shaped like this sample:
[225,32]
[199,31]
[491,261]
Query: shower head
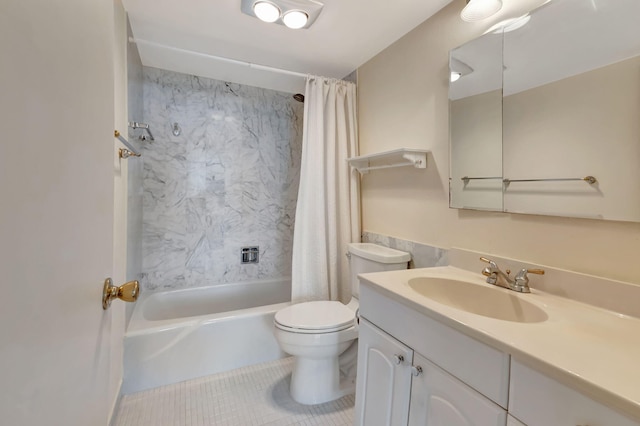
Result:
[299,97]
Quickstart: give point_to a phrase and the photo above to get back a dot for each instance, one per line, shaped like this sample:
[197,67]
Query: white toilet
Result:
[322,336]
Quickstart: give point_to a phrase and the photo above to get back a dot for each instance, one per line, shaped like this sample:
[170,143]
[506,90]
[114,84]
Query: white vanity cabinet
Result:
[397,386]
[538,400]
[413,370]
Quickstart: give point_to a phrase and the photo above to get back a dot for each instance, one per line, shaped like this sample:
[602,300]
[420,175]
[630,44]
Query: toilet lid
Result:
[321,316]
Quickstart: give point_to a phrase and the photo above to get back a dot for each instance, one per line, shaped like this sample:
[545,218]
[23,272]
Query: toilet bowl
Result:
[322,335]
[316,334]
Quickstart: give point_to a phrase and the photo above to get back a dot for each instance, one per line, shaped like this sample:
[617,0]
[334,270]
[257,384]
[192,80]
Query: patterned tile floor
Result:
[249,396]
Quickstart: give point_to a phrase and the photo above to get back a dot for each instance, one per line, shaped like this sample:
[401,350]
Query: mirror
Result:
[570,111]
[475,111]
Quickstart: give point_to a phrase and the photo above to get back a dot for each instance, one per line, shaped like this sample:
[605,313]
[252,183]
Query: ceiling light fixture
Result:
[295,14]
[266,11]
[295,19]
[477,10]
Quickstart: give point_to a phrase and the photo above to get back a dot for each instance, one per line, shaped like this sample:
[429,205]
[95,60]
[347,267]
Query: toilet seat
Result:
[315,317]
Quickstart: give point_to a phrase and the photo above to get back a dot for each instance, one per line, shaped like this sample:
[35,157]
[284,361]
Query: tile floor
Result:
[249,396]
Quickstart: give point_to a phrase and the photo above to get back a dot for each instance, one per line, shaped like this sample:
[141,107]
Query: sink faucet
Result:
[520,283]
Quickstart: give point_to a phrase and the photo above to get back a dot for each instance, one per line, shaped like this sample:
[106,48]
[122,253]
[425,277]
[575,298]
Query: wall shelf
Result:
[402,157]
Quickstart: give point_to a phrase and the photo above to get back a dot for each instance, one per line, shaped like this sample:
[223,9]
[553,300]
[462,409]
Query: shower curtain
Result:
[328,208]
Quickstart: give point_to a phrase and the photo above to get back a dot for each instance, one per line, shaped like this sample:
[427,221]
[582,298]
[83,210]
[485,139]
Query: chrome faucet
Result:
[520,283]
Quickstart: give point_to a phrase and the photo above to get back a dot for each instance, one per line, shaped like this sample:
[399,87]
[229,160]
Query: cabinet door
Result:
[439,399]
[384,378]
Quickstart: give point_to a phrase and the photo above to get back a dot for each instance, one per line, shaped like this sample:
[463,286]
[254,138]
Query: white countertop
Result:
[590,349]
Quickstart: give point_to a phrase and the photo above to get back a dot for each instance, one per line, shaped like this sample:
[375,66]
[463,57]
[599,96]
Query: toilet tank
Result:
[368,257]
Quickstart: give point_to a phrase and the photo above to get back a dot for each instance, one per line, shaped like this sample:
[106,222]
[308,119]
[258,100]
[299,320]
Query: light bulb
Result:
[266,11]
[477,10]
[295,19]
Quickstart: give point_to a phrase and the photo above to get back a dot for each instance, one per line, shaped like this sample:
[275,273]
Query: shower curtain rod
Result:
[219,58]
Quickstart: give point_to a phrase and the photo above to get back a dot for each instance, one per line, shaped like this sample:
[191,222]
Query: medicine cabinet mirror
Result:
[545,114]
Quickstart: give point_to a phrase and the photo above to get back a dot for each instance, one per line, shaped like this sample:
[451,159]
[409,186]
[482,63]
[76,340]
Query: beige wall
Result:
[403,102]
[587,124]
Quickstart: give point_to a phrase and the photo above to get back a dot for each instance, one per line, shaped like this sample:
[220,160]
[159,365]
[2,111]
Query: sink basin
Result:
[477,299]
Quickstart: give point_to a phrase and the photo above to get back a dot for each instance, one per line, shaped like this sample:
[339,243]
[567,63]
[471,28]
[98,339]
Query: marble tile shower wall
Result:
[229,180]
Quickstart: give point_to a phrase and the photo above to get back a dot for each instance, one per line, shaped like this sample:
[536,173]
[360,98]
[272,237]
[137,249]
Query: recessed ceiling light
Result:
[477,10]
[295,19]
[266,11]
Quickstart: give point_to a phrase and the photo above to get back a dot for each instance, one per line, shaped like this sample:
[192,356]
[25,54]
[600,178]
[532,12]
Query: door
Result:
[383,380]
[439,399]
[56,211]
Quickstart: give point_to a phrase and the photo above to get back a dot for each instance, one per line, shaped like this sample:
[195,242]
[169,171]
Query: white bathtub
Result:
[183,334]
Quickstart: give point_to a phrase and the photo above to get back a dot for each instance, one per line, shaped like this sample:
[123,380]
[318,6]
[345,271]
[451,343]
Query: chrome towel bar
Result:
[467,178]
[589,179]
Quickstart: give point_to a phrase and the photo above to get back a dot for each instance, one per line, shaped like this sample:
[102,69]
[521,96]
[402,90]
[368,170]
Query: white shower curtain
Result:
[328,209]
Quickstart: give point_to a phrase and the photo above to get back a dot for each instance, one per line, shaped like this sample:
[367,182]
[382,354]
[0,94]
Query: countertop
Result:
[590,349]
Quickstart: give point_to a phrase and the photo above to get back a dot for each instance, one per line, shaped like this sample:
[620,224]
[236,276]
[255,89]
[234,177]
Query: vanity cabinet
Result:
[538,400]
[398,386]
[414,370]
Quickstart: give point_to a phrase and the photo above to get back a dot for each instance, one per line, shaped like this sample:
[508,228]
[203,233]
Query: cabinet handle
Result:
[398,359]
[416,371]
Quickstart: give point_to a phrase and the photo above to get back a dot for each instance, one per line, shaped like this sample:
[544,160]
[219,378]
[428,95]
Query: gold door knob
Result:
[128,292]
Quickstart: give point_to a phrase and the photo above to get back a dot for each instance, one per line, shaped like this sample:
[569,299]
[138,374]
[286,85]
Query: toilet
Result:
[322,335]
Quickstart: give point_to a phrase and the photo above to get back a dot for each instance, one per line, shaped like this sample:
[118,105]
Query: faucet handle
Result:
[522,275]
[521,282]
[491,263]
[492,267]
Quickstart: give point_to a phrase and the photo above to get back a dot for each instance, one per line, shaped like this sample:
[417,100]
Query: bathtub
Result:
[184,334]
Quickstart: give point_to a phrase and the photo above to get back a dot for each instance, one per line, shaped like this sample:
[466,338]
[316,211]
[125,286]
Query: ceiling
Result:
[182,36]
